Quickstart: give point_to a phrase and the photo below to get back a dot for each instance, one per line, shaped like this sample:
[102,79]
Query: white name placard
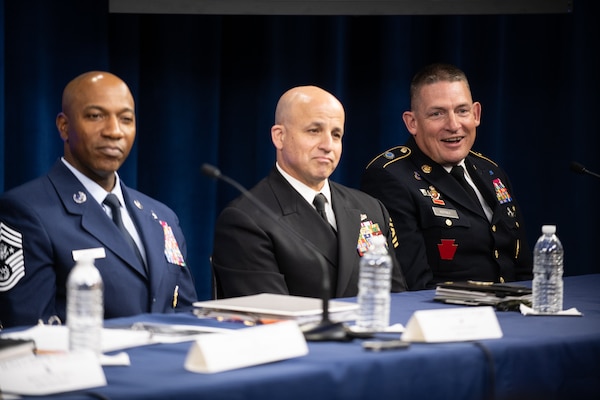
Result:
[262,344]
[92,253]
[452,325]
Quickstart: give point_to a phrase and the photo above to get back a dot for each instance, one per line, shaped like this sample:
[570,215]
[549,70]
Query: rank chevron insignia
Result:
[12,264]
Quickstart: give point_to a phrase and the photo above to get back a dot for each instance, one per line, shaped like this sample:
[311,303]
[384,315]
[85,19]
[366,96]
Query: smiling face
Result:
[308,134]
[97,125]
[443,121]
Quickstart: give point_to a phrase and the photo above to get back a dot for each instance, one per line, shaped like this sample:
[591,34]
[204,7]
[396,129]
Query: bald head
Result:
[94,81]
[302,95]
[308,130]
[97,125]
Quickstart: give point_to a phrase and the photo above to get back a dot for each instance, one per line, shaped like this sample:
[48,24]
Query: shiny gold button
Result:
[496,253]
[493,228]
[449,222]
[501,279]
[517,225]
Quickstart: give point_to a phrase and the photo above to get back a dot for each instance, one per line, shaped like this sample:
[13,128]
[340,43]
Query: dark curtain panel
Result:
[206,89]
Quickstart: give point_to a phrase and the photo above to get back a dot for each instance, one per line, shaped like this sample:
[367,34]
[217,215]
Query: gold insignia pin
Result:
[426,168]
[138,204]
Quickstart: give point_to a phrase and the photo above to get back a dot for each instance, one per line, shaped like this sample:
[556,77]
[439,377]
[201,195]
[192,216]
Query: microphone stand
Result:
[580,169]
[325,330]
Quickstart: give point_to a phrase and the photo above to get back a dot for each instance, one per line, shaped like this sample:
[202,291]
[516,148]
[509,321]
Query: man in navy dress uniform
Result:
[455,215]
[252,254]
[46,222]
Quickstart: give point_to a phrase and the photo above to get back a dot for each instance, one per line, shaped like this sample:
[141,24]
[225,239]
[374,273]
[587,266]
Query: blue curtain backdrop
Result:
[206,89]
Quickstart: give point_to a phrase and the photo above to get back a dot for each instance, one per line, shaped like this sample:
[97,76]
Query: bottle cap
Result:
[549,229]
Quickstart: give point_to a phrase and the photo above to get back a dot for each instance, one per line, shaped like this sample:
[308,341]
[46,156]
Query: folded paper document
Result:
[51,373]
[500,295]
[269,306]
[55,338]
[13,348]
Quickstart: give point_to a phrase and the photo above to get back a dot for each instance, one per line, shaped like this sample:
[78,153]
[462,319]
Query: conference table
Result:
[538,357]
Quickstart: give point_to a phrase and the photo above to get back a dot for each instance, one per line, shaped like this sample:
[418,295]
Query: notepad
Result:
[277,306]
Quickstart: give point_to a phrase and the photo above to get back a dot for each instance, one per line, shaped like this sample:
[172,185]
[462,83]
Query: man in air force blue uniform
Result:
[45,221]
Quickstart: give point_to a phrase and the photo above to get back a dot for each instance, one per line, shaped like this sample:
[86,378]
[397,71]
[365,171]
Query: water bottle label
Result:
[85,302]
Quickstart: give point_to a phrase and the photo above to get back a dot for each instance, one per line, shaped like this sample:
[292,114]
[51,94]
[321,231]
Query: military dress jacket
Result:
[253,253]
[443,233]
[43,221]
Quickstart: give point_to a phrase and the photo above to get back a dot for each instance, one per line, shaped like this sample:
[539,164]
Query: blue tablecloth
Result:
[539,357]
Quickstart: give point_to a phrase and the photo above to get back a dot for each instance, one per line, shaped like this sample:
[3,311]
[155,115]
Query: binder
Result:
[269,306]
[503,296]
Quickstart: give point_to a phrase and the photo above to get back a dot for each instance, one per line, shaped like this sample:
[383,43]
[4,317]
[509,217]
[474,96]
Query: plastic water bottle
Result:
[85,307]
[374,287]
[547,288]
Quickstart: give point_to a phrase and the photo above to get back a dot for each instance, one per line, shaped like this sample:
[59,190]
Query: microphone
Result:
[580,169]
[326,330]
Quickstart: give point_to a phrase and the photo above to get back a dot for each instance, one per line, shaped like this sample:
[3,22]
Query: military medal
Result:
[172,251]
[368,229]
[501,191]
[434,195]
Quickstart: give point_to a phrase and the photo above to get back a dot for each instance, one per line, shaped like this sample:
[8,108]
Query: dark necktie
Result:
[113,202]
[319,202]
[458,173]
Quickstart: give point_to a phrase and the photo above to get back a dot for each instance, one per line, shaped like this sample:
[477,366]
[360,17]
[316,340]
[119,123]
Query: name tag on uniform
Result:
[92,253]
[444,212]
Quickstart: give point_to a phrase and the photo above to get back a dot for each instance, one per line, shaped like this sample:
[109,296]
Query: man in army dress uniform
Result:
[453,209]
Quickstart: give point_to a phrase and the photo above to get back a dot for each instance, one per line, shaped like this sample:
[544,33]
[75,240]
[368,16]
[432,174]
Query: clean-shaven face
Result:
[444,121]
[309,142]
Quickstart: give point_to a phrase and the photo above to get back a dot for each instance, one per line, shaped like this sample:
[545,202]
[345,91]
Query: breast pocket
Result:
[508,224]
[174,268]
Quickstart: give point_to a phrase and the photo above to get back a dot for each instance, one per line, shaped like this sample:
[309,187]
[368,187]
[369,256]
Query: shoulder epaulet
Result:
[391,155]
[479,155]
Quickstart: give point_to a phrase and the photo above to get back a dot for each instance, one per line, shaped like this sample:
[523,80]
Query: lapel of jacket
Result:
[482,177]
[151,232]
[77,201]
[348,218]
[302,218]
